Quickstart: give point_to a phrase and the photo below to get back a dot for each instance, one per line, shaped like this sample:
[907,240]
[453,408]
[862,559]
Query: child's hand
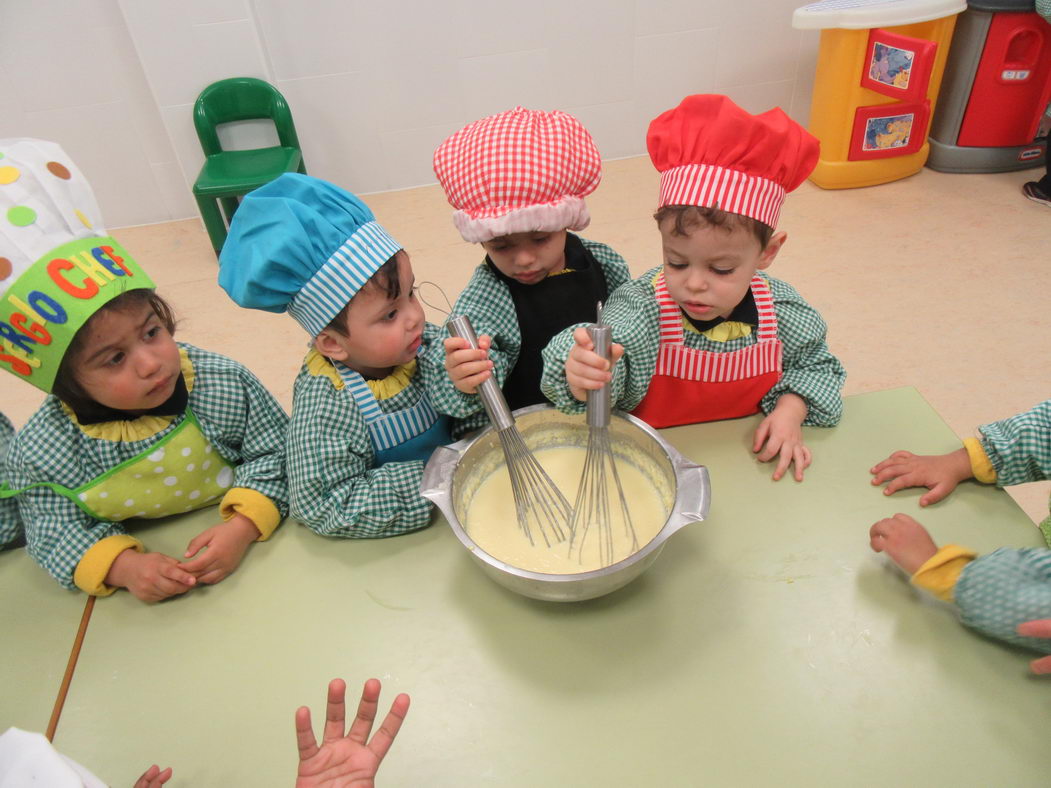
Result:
[468,367]
[1037,629]
[781,435]
[939,473]
[586,369]
[149,576]
[226,543]
[351,760]
[904,540]
[154,777]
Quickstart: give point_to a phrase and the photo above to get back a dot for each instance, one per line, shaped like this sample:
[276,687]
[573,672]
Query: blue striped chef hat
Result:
[303,245]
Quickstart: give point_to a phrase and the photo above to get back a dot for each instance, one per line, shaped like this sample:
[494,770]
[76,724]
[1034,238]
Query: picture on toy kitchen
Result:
[889,132]
[891,65]
[898,66]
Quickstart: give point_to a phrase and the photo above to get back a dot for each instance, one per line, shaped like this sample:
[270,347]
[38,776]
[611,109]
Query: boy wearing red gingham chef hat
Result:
[708,335]
[518,181]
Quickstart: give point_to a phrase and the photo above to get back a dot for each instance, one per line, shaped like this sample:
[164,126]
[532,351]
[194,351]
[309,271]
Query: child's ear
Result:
[327,345]
[773,246]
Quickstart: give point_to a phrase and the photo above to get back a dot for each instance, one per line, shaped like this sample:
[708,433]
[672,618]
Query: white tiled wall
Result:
[69,73]
[374,85]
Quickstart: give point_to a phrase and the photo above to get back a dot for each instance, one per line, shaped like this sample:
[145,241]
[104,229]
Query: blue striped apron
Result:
[405,435]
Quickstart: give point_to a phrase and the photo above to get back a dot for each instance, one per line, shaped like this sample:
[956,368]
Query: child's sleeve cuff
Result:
[253,505]
[939,573]
[90,574]
[981,465]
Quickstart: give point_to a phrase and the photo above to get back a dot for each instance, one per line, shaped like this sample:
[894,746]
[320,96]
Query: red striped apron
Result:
[691,386]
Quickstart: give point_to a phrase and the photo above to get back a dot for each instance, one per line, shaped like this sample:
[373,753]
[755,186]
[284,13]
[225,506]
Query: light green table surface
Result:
[766,646]
[38,624]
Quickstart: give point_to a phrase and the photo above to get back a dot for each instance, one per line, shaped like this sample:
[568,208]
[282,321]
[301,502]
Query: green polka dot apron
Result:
[180,472]
[405,435]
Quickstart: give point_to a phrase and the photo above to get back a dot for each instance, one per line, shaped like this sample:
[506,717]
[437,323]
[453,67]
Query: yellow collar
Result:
[384,388]
[134,429]
[723,332]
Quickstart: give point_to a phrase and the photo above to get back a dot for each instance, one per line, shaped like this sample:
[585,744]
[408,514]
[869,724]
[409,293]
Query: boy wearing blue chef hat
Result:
[362,425]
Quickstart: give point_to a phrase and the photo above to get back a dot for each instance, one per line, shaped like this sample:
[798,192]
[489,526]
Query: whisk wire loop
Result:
[539,504]
[593,516]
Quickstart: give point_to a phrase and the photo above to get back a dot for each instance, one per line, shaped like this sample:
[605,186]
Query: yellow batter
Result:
[492,523]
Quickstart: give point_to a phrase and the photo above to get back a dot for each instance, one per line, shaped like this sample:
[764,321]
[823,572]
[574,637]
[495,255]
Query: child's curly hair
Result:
[688,217]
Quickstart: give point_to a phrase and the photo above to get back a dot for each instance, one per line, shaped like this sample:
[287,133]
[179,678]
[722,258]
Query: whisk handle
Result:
[489,391]
[598,400]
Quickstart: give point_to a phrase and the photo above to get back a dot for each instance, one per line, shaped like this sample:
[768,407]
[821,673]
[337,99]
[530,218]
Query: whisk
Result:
[538,501]
[592,511]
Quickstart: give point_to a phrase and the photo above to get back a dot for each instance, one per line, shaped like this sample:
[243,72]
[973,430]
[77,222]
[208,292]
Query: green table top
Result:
[767,645]
[38,621]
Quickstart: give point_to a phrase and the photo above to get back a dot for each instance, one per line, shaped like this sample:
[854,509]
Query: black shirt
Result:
[546,308]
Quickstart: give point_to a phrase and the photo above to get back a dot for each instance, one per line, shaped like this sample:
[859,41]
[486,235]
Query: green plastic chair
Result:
[229,175]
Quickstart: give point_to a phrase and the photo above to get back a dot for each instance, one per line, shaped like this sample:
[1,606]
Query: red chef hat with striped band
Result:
[518,171]
[711,153]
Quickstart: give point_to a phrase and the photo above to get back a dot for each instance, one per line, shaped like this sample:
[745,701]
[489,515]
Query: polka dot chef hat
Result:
[58,265]
[302,245]
[711,153]
[519,171]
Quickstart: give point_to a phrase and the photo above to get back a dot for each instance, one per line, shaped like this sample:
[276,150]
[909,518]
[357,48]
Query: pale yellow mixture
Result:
[492,523]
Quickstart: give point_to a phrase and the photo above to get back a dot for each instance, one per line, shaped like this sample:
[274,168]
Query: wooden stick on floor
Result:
[68,677]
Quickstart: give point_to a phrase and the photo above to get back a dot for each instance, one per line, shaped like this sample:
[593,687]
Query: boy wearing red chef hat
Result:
[708,335]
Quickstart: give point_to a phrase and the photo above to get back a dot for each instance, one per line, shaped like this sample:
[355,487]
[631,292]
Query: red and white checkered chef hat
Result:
[519,171]
[712,153]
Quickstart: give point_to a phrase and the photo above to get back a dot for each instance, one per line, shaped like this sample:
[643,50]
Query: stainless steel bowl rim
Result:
[690,505]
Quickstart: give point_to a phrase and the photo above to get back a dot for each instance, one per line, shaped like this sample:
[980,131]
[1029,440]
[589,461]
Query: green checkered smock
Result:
[487,301]
[10,522]
[236,414]
[997,592]
[809,368]
[335,485]
[1019,449]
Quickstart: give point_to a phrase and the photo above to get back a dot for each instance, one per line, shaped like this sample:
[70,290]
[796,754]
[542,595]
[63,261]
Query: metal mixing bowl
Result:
[454,473]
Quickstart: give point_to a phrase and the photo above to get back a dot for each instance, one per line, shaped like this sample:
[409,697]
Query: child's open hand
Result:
[350,760]
[149,576]
[1037,629]
[781,435]
[226,544]
[586,369]
[940,473]
[904,540]
[468,367]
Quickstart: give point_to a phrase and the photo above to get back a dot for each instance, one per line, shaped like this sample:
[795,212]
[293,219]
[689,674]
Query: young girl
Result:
[136,425]
[708,335]
[518,181]
[362,424]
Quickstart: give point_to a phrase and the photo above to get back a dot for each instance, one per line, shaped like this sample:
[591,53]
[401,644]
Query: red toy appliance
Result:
[997,85]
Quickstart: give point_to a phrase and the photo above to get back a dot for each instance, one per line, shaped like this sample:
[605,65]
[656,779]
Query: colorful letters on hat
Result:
[58,266]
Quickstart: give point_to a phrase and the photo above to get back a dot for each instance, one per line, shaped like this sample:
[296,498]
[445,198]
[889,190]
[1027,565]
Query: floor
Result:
[936,281]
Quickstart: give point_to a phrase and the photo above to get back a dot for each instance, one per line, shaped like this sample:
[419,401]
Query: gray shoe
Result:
[1032,190]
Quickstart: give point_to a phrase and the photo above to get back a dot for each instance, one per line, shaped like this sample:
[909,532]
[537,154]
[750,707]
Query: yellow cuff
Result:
[939,573]
[981,466]
[253,505]
[90,575]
